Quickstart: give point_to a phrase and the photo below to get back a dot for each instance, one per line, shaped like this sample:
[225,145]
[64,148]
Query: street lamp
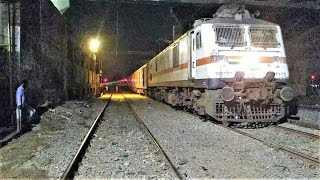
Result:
[94,45]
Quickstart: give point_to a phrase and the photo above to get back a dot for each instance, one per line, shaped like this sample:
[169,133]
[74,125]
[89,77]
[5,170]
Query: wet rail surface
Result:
[73,168]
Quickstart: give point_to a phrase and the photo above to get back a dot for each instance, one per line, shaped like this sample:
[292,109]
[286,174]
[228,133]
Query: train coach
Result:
[231,67]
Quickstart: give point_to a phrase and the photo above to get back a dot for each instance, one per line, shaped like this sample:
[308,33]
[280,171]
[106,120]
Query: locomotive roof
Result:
[229,20]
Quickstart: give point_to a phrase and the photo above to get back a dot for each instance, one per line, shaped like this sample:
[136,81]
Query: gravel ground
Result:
[204,150]
[46,152]
[121,149]
[288,139]
[309,115]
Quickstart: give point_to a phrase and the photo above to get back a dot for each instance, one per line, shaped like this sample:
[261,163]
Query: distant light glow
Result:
[105,80]
[313,77]
[94,45]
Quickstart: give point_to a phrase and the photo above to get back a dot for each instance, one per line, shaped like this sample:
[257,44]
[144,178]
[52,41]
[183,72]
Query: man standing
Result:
[22,107]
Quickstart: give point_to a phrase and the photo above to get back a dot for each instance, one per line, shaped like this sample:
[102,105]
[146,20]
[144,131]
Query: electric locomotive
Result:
[231,67]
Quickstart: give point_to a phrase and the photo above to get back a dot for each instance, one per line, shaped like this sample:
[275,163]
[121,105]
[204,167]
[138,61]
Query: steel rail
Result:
[299,155]
[310,107]
[74,164]
[310,135]
[302,156]
[155,141]
[304,123]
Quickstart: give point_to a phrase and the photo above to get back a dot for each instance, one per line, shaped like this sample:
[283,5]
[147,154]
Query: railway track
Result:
[309,135]
[155,141]
[299,155]
[311,107]
[313,124]
[73,167]
[298,122]
[74,164]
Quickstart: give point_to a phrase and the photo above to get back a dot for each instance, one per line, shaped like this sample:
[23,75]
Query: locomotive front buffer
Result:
[247,100]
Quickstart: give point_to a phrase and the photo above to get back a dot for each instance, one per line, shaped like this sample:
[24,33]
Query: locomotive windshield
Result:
[264,36]
[230,35]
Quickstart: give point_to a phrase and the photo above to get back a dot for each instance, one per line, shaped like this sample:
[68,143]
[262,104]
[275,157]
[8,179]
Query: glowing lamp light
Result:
[105,79]
[313,77]
[94,45]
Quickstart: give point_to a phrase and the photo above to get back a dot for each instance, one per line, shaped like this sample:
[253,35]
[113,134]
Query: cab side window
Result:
[198,40]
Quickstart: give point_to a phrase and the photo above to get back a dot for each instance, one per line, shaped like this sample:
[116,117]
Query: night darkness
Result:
[144,28]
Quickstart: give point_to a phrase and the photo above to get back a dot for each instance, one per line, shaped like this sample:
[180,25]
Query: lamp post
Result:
[94,45]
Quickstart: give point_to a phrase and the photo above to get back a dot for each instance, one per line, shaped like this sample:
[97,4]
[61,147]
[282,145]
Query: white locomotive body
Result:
[232,67]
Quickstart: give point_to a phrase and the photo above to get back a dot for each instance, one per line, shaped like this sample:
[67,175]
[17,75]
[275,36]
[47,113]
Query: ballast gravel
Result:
[46,152]
[309,115]
[204,150]
[121,149]
[299,128]
[198,149]
[288,139]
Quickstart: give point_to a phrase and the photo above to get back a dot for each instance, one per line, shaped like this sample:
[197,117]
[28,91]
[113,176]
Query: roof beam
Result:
[311,4]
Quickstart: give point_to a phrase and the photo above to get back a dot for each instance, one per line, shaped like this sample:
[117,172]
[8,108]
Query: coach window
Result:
[150,71]
[198,40]
[143,76]
[175,56]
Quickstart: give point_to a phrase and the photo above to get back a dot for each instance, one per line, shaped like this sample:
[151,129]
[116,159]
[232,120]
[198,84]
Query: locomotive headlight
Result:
[249,60]
[254,60]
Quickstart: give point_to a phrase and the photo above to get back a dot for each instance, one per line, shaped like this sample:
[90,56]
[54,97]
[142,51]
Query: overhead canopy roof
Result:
[311,4]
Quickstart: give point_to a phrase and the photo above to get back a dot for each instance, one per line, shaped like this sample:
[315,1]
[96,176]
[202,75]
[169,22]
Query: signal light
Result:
[313,77]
